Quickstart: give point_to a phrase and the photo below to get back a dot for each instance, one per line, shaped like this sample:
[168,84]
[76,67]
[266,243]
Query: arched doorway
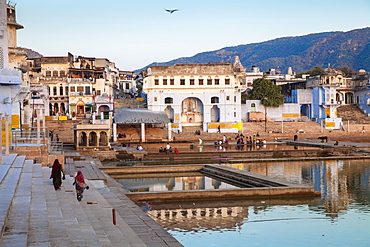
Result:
[93,139]
[63,108]
[80,106]
[253,107]
[82,140]
[349,98]
[192,110]
[103,140]
[215,114]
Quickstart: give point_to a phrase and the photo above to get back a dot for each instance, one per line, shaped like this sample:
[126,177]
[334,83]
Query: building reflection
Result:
[341,182]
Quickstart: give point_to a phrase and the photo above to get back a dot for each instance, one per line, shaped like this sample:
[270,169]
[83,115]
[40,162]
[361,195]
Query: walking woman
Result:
[56,174]
[80,185]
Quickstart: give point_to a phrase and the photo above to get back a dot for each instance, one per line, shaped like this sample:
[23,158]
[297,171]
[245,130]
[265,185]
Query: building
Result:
[10,78]
[126,85]
[204,95]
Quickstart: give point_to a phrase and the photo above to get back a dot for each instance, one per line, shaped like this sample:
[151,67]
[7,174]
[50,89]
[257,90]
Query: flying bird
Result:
[171,10]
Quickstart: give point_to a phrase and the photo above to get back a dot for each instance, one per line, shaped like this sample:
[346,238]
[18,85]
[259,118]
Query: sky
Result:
[135,33]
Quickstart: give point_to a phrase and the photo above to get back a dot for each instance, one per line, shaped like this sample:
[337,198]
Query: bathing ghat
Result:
[251,185]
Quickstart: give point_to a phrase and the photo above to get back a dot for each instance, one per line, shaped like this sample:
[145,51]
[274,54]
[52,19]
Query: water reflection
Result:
[342,212]
[173,184]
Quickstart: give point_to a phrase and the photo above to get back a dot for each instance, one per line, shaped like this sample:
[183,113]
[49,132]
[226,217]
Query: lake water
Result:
[340,217]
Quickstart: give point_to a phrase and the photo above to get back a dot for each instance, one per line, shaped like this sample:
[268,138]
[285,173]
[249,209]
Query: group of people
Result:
[57,174]
[168,149]
[121,135]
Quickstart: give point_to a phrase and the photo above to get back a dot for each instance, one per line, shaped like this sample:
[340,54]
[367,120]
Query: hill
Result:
[302,53]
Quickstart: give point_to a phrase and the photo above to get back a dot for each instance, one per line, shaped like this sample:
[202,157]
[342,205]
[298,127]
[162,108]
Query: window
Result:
[249,84]
[80,88]
[228,97]
[200,81]
[55,91]
[182,82]
[127,85]
[209,81]
[66,90]
[73,89]
[55,73]
[217,81]
[168,100]
[87,90]
[227,81]
[61,91]
[48,73]
[156,82]
[164,81]
[172,81]
[155,99]
[62,73]
[98,92]
[234,114]
[214,100]
[191,81]
[234,98]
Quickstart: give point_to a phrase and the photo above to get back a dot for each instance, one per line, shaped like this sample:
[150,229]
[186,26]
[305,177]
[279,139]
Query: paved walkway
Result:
[32,213]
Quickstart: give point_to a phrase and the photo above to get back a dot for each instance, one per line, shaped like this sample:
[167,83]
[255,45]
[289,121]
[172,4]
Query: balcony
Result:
[52,79]
[81,80]
[76,94]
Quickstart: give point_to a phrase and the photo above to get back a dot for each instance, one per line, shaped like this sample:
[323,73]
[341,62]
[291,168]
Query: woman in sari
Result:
[80,185]
[56,174]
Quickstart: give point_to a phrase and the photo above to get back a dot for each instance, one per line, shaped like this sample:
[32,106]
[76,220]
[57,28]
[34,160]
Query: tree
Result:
[348,71]
[317,70]
[266,91]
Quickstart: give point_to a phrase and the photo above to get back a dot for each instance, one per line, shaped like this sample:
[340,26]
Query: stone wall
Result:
[128,103]
[63,129]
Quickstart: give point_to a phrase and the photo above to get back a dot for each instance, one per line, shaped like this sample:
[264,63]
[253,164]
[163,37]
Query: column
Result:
[169,131]
[6,134]
[1,138]
[143,132]
[38,126]
[114,132]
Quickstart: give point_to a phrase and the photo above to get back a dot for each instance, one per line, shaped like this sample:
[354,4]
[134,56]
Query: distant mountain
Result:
[302,53]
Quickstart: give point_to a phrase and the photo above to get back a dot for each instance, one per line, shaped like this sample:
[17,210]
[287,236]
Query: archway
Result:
[253,107]
[93,139]
[192,110]
[103,108]
[103,139]
[215,114]
[83,139]
[56,109]
[349,98]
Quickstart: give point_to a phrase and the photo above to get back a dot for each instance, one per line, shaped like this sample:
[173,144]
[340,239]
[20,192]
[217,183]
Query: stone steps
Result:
[32,213]
[11,174]
[353,114]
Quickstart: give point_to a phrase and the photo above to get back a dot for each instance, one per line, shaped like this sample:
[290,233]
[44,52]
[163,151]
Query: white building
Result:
[10,79]
[206,95]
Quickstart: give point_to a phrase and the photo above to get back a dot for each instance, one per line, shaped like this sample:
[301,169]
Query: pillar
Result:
[38,126]
[6,134]
[114,132]
[143,132]
[169,131]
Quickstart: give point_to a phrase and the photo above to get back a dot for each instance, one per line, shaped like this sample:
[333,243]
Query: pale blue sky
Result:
[137,32]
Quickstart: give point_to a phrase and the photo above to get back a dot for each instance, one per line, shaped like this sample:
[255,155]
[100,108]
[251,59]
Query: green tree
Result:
[348,71]
[266,91]
[317,70]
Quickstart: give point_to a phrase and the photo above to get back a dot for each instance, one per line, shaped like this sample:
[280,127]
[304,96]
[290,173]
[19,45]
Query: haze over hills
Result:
[302,53]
